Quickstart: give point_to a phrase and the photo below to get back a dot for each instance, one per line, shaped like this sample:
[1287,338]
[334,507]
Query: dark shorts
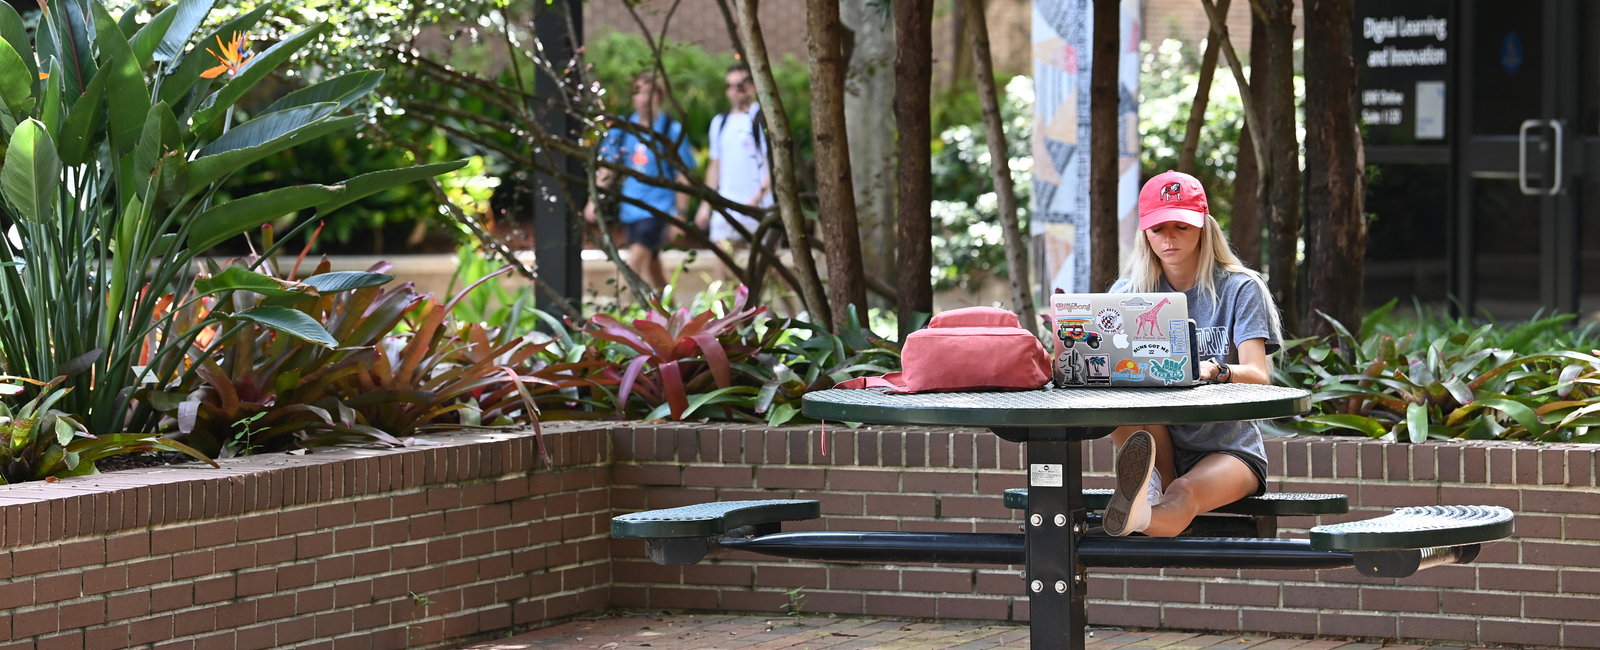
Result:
[1186,459]
[647,233]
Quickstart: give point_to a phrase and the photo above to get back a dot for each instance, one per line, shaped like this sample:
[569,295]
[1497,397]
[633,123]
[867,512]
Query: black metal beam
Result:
[557,233]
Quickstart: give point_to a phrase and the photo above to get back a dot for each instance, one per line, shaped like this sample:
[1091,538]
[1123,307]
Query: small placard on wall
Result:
[1430,110]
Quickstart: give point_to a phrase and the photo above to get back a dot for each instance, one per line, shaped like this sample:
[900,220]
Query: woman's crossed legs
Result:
[1217,480]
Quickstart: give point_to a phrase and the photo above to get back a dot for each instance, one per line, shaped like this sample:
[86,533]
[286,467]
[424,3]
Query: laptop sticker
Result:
[1110,320]
[1128,370]
[1072,331]
[1099,369]
[1178,335]
[1148,324]
[1169,371]
[1152,349]
[1067,307]
[1070,370]
[1136,303]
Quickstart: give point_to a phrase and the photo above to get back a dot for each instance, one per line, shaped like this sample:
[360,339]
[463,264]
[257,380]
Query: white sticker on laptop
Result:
[1044,475]
[1161,349]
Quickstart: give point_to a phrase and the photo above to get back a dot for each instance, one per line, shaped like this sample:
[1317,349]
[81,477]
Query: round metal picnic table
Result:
[1053,424]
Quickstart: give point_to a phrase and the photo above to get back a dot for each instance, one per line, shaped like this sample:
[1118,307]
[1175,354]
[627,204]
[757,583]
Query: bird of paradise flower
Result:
[234,57]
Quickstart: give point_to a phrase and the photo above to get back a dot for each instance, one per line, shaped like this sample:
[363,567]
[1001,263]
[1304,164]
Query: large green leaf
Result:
[208,169]
[1372,428]
[14,33]
[338,281]
[73,46]
[1417,422]
[216,225]
[160,135]
[371,183]
[32,172]
[343,89]
[16,80]
[288,321]
[53,113]
[126,94]
[183,77]
[82,121]
[268,127]
[238,279]
[252,73]
[187,16]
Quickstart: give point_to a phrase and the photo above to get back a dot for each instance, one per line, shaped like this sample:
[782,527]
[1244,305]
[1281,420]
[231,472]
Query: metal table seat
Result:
[1057,546]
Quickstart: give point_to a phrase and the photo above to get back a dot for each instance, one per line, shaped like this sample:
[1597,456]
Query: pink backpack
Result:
[976,348]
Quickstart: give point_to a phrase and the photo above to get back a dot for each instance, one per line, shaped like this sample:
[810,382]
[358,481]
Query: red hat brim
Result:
[1182,215]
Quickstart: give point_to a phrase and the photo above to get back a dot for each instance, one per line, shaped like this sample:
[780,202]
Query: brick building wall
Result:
[434,546]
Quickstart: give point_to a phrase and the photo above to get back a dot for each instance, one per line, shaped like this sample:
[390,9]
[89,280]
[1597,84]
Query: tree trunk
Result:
[1255,126]
[1000,165]
[836,202]
[869,120]
[1103,99]
[1336,188]
[1248,197]
[962,25]
[1202,97]
[1283,184]
[913,76]
[783,178]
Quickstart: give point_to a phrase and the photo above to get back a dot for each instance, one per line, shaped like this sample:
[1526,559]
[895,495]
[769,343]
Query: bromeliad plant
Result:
[117,138]
[1460,383]
[39,441]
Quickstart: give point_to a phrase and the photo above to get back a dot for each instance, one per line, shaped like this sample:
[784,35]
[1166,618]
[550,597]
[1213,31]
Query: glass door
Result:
[1516,244]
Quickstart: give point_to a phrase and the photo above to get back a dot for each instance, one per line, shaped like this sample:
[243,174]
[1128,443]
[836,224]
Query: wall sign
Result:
[1403,54]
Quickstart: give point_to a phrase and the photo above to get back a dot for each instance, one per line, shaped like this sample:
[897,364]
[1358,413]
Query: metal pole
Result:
[1056,581]
[558,239]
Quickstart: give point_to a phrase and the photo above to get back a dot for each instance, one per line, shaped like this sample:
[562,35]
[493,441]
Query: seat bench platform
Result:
[1417,527]
[711,519]
[1271,504]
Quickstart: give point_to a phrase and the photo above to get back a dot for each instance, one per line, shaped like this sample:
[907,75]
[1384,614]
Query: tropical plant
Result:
[1460,381]
[39,442]
[118,137]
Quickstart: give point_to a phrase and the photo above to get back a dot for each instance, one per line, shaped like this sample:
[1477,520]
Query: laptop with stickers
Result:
[1123,340]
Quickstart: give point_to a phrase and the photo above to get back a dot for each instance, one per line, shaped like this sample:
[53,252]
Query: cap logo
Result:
[1170,191]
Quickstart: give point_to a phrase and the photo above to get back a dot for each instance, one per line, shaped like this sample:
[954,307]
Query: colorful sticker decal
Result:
[1099,369]
[1152,349]
[1120,340]
[1147,325]
[1070,370]
[1069,307]
[1072,331]
[1127,370]
[1169,371]
[1178,333]
[1136,303]
[1110,320]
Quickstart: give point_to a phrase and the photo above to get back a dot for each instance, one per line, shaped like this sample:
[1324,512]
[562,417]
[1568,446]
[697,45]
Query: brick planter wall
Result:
[318,551]
[1541,587]
[434,546]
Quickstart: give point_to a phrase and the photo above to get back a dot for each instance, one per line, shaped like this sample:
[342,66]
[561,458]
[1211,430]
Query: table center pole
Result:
[1055,581]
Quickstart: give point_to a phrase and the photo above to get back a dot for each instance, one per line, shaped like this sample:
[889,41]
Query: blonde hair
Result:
[1143,270]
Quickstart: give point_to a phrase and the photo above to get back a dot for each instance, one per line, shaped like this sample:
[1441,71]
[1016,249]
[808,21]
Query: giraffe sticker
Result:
[1148,325]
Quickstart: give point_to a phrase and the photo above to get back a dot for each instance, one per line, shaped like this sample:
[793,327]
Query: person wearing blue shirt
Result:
[643,230]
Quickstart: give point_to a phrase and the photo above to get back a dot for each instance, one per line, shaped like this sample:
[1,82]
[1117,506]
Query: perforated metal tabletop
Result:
[1075,407]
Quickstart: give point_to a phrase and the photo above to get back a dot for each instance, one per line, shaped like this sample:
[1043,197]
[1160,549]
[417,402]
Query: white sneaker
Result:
[1129,510]
[1155,486]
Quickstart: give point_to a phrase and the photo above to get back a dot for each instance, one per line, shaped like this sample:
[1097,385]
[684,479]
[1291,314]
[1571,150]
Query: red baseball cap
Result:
[1172,196]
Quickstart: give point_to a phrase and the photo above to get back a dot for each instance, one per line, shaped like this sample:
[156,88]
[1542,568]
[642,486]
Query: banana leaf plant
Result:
[1456,385]
[39,441]
[118,136]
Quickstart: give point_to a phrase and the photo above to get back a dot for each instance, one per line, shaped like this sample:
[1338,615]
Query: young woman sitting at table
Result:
[1167,474]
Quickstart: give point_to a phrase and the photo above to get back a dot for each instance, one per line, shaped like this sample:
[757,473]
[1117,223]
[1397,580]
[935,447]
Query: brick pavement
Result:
[730,632]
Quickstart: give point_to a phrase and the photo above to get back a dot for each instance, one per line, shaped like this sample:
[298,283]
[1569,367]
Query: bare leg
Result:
[1217,480]
[647,265]
[1166,462]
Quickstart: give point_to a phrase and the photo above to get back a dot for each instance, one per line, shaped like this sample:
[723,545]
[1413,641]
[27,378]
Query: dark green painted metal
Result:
[1417,528]
[1277,504]
[710,519]
[1080,407]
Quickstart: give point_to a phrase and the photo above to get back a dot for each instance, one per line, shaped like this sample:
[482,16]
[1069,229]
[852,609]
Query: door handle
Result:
[1555,185]
[1522,158]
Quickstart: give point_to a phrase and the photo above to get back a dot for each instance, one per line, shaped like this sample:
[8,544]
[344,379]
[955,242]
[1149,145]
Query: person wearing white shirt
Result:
[739,169]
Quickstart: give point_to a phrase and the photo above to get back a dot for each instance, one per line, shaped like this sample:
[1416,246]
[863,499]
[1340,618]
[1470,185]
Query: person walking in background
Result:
[643,231]
[738,169]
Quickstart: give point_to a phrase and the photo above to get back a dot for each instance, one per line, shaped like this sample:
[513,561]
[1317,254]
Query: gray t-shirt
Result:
[1237,315]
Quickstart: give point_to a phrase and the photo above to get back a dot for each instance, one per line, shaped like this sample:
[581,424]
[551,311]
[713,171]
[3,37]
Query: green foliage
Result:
[1444,378]
[1168,76]
[112,173]
[968,245]
[39,441]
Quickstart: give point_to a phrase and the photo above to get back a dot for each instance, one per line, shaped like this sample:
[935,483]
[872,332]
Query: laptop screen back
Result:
[1122,340]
